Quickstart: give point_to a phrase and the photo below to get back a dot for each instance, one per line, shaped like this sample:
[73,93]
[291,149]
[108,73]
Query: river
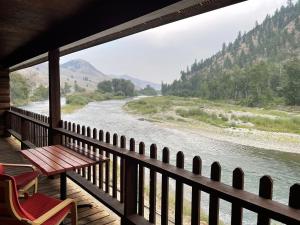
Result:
[283,167]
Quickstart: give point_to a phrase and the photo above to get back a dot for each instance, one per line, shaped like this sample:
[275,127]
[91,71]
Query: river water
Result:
[283,167]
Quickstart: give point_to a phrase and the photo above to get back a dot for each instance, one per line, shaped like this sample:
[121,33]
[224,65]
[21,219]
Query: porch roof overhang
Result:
[29,29]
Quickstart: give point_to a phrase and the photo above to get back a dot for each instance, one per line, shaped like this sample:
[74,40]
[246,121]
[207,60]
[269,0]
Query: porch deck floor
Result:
[97,215]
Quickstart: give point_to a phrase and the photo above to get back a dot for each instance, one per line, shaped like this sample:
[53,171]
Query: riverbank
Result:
[108,115]
[276,129]
[79,100]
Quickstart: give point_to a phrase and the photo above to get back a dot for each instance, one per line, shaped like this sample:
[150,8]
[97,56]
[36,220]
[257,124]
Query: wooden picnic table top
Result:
[58,159]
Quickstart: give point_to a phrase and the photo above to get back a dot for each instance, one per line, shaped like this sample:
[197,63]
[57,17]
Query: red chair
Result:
[38,209]
[24,181]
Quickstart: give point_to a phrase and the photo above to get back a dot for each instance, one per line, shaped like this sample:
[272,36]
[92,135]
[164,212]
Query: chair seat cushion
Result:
[23,179]
[39,204]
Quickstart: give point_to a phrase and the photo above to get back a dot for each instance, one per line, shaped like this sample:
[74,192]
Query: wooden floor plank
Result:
[97,215]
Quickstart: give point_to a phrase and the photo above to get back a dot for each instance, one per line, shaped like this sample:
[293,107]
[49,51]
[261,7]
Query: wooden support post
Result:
[54,96]
[4,100]
[130,187]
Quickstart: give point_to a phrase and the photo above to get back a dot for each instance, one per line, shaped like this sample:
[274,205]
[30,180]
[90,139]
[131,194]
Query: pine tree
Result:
[223,48]
[289,3]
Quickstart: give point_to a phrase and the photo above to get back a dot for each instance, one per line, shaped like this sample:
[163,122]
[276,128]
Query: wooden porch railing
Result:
[121,184]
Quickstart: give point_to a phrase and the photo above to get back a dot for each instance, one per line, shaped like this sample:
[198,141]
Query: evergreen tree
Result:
[248,70]
[292,87]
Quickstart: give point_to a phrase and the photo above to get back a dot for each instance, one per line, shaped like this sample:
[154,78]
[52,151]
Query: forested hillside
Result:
[258,68]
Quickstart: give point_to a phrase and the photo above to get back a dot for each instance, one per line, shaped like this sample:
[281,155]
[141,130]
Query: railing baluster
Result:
[115,168]
[94,151]
[107,165]
[132,144]
[69,129]
[89,169]
[122,170]
[44,134]
[179,191]
[29,129]
[165,190]
[83,132]
[65,139]
[236,210]
[141,181]
[152,195]
[33,125]
[33,137]
[61,125]
[38,143]
[36,130]
[23,132]
[47,131]
[29,135]
[294,197]
[101,134]
[33,129]
[41,142]
[214,201]
[41,132]
[196,194]
[74,130]
[265,191]
[78,144]
[45,139]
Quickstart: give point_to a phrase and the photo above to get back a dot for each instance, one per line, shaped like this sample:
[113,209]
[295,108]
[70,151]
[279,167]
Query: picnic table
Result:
[59,159]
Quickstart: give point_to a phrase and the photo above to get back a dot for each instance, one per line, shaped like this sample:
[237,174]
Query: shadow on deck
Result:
[98,215]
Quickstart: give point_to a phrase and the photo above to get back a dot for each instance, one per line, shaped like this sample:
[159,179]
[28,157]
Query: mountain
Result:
[78,70]
[275,40]
[140,84]
[252,68]
[84,73]
[83,67]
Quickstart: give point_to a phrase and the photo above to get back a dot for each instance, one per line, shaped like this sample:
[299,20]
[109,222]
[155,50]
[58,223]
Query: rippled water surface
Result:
[283,167]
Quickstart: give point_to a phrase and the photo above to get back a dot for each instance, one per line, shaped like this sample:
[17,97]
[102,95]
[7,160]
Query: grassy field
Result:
[217,113]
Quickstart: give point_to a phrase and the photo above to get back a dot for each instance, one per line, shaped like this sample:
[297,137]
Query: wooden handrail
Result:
[246,199]
[30,119]
[236,196]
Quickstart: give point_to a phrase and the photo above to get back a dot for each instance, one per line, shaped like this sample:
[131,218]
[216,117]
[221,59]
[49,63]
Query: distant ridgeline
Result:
[260,67]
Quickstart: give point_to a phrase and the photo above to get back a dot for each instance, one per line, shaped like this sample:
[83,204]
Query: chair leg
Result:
[74,214]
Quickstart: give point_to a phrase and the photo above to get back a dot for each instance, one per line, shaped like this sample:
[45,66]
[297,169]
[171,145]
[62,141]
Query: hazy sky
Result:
[161,53]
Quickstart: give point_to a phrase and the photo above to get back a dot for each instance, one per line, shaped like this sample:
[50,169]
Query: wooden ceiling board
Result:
[30,28]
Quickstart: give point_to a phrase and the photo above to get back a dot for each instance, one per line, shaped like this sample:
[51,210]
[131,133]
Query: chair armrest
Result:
[19,165]
[43,218]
